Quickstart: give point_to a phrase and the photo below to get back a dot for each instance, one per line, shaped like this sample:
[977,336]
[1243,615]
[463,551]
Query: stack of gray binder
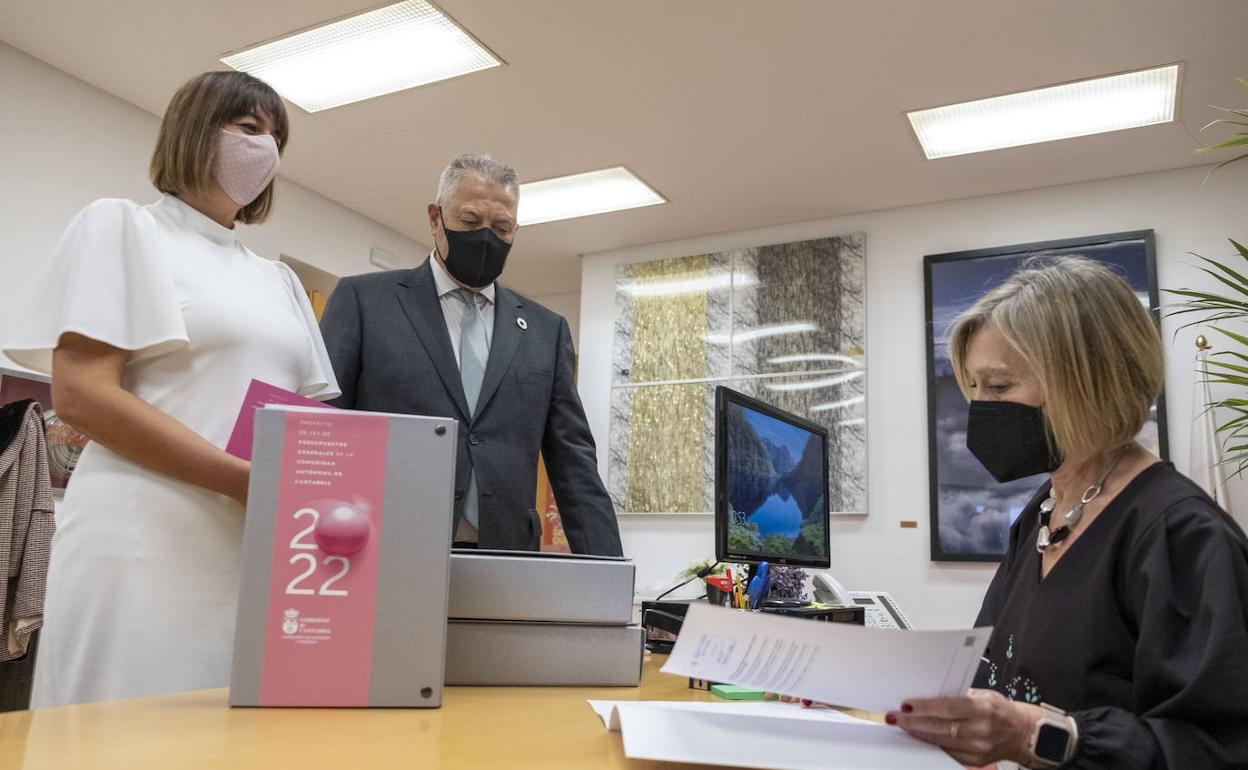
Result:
[525,618]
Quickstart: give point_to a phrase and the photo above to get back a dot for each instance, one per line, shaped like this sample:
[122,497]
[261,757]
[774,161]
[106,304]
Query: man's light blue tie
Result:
[474,353]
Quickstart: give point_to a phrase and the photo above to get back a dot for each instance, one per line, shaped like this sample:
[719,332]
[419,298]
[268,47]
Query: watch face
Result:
[1051,743]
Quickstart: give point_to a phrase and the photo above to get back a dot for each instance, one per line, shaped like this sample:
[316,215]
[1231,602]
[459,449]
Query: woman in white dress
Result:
[153,320]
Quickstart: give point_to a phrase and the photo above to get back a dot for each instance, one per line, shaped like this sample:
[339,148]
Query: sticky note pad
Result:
[736,692]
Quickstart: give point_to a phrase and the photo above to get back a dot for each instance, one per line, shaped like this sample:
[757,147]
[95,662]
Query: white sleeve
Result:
[318,379]
[105,280]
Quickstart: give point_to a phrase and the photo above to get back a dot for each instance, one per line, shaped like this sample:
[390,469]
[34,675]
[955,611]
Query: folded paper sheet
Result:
[608,710]
[774,736]
[259,395]
[863,668]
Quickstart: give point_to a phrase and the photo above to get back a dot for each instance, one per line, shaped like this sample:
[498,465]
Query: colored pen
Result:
[758,585]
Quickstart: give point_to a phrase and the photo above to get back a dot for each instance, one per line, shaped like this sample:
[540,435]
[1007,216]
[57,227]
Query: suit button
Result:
[474,439]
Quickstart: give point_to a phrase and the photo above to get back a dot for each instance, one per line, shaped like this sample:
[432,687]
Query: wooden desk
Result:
[477,727]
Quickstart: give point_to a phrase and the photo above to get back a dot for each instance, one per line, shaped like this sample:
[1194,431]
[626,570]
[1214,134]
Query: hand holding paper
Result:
[853,666]
[865,668]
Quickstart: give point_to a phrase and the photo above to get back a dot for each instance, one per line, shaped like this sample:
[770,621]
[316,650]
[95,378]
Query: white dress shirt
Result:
[453,307]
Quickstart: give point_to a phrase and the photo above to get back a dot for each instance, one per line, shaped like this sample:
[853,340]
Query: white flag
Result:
[1205,463]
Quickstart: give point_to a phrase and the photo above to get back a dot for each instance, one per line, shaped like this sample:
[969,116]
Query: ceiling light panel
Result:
[389,49]
[583,195]
[1112,103]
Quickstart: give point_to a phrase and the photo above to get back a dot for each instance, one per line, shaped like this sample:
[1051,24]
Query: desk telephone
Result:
[882,611]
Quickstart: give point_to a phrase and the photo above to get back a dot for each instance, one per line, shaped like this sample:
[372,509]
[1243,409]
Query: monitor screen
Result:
[771,484]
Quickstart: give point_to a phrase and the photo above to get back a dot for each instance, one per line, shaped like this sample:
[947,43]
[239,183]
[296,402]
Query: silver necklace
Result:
[1047,538]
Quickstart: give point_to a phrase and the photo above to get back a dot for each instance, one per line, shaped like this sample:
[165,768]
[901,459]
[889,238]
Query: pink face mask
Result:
[244,164]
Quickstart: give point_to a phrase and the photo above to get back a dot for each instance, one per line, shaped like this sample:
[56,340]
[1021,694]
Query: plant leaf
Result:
[1225,122]
[1225,281]
[1243,251]
[1204,296]
[1232,353]
[1241,339]
[1229,162]
[1236,142]
[1227,367]
[1225,269]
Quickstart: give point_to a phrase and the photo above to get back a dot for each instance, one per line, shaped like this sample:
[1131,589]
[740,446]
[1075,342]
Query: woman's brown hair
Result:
[182,160]
[1089,340]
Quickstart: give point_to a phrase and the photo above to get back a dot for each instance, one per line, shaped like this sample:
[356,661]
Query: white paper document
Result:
[773,736]
[847,665]
[608,710]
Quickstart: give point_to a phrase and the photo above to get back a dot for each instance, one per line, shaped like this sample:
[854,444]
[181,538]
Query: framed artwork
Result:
[63,442]
[784,323]
[971,513]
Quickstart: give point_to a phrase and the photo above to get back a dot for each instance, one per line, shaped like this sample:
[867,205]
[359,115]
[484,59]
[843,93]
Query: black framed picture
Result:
[971,513]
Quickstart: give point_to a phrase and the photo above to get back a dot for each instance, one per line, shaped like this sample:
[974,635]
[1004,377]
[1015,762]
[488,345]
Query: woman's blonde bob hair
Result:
[1088,339]
[182,160]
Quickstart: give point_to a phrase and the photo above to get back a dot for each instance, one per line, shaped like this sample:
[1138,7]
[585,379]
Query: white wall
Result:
[64,143]
[873,551]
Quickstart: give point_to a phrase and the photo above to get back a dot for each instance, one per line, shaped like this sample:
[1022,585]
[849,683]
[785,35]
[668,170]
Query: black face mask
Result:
[1010,439]
[476,257]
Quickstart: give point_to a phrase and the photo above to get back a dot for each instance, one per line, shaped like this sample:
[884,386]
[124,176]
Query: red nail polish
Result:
[890,718]
[806,703]
[906,708]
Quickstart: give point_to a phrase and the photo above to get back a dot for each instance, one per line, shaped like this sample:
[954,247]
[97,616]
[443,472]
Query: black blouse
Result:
[1140,630]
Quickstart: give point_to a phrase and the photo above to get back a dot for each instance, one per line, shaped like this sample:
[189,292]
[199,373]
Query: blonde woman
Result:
[1120,612]
[152,320]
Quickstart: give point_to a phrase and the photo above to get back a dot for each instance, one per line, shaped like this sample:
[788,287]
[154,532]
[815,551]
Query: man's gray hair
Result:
[484,166]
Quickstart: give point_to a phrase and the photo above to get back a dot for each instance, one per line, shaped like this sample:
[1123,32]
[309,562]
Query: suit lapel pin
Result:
[523,324]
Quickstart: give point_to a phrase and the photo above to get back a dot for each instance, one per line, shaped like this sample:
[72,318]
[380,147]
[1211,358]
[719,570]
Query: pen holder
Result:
[718,597]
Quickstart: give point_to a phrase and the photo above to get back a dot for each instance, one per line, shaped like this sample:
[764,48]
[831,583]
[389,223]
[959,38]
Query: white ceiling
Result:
[744,114]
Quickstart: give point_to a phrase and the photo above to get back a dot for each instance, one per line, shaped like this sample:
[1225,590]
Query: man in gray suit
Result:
[445,339]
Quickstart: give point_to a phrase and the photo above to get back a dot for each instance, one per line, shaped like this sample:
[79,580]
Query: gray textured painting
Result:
[799,307]
[784,323]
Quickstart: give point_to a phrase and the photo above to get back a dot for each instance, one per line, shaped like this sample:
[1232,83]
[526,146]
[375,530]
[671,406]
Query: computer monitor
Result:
[771,484]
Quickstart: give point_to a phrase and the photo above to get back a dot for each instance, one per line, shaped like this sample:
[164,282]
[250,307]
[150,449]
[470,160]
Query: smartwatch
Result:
[1054,737]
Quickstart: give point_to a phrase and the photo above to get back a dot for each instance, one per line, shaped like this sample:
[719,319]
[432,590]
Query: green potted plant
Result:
[1240,139]
[1225,367]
